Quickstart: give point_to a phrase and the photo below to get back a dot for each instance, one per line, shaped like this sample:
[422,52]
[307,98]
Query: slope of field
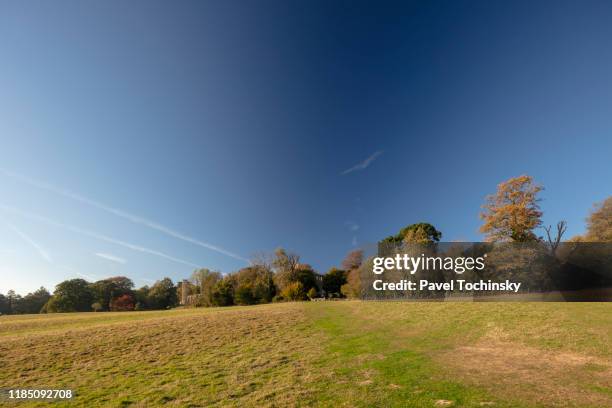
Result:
[319,354]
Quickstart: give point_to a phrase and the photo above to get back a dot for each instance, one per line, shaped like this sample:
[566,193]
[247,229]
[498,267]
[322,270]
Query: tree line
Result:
[77,295]
[512,214]
[275,278]
[270,278]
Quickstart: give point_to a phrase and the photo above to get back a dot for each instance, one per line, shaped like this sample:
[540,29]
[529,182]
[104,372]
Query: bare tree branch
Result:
[554,242]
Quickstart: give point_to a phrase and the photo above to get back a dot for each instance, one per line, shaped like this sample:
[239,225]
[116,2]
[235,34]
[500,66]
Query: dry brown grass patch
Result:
[514,370]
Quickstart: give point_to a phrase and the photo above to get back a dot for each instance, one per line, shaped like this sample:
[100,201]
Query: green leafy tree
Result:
[243,295]
[33,302]
[162,295]
[4,305]
[141,298]
[104,291]
[223,294]
[306,276]
[333,281]
[205,281]
[74,295]
[13,300]
[422,233]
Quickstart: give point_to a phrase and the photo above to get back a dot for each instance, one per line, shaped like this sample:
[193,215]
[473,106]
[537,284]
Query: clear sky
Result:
[147,138]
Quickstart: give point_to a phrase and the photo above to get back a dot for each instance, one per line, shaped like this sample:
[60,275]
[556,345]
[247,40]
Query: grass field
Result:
[319,354]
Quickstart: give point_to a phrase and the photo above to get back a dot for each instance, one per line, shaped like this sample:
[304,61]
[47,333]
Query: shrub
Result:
[294,291]
[243,295]
[312,293]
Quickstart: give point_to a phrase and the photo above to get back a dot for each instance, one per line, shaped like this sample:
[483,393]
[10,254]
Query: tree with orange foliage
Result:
[599,223]
[352,264]
[513,212]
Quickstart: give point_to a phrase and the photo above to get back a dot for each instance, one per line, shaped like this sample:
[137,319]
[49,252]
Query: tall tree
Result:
[599,222]
[207,286]
[197,277]
[285,266]
[512,213]
[4,305]
[352,264]
[306,275]
[162,295]
[13,300]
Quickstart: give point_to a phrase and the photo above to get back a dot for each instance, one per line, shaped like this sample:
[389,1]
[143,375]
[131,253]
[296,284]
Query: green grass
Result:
[353,354]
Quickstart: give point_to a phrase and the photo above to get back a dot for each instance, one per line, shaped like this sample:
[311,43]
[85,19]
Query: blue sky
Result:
[147,138]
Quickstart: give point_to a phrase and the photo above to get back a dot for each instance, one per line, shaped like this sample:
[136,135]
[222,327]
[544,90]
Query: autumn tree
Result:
[599,222]
[352,260]
[294,291]
[512,213]
[351,265]
[285,265]
[253,284]
[123,303]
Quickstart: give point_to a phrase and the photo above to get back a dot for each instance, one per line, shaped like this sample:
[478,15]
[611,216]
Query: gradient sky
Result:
[147,138]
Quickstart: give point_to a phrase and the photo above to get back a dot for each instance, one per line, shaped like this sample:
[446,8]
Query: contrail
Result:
[110,257]
[120,213]
[95,235]
[364,164]
[41,251]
